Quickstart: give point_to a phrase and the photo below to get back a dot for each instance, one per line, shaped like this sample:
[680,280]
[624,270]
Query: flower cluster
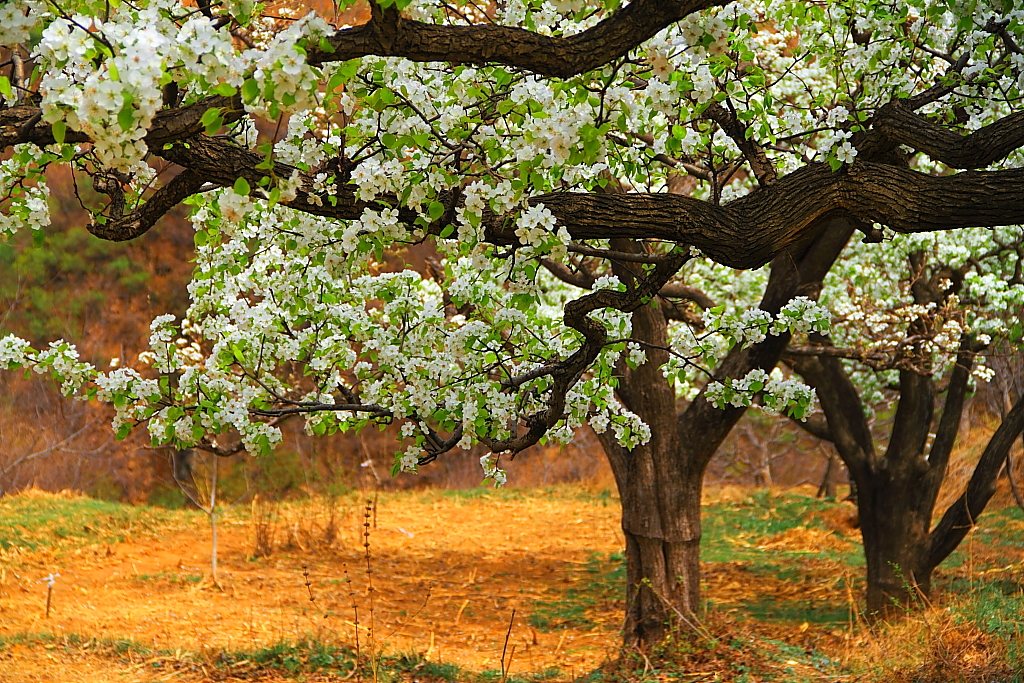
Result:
[772,392]
[18,20]
[25,203]
[113,104]
[752,325]
[493,473]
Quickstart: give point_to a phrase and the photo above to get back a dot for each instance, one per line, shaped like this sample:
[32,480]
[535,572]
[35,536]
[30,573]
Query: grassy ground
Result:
[513,585]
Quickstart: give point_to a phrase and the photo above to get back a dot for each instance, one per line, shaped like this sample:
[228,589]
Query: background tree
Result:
[494,138]
[916,317]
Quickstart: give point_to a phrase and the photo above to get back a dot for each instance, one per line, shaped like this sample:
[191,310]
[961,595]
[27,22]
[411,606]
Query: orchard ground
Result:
[783,578]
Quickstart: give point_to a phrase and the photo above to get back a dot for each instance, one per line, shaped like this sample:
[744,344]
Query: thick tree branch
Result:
[913,420]
[136,223]
[949,422]
[873,359]
[963,514]
[24,124]
[816,426]
[555,56]
[745,233]
[985,146]
[760,164]
[576,278]
[840,401]
[675,290]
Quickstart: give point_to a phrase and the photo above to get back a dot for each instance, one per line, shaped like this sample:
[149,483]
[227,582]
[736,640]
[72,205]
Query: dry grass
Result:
[447,571]
[933,646]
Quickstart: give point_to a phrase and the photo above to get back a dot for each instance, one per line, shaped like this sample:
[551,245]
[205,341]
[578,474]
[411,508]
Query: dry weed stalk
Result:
[369,512]
[372,656]
[506,665]
[264,515]
[355,620]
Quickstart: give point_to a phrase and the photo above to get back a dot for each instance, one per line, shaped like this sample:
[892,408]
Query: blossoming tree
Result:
[528,143]
[914,320]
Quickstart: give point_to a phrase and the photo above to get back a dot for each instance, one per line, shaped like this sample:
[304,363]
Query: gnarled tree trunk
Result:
[660,498]
[660,482]
[895,535]
[897,490]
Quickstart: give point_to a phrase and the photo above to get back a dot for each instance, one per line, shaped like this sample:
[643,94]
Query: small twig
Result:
[504,649]
[309,584]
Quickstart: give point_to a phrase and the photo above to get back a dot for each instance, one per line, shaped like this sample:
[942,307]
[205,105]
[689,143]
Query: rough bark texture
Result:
[660,498]
[660,482]
[391,36]
[894,531]
[745,233]
[897,490]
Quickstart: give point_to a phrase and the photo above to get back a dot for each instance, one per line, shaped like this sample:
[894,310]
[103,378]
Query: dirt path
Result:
[446,573]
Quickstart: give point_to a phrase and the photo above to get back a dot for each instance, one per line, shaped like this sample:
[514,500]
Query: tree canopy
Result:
[538,148]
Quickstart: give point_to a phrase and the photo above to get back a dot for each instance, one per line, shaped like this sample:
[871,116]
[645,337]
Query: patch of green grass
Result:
[606,582]
[996,607]
[172,578]
[293,658]
[1000,529]
[494,675]
[570,612]
[119,647]
[797,611]
[424,670]
[38,521]
[732,530]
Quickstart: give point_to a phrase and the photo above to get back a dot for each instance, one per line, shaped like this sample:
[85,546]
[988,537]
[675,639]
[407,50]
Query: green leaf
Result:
[336,80]
[60,130]
[435,210]
[126,117]
[5,87]
[212,120]
[241,187]
[250,90]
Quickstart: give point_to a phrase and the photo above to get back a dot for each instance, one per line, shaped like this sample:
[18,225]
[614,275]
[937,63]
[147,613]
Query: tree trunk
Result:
[661,523]
[894,527]
[660,497]
[660,482]
[827,487]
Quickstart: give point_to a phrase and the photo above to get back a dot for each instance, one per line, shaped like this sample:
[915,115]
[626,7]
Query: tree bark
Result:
[660,483]
[827,487]
[660,497]
[896,492]
[962,515]
[895,535]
